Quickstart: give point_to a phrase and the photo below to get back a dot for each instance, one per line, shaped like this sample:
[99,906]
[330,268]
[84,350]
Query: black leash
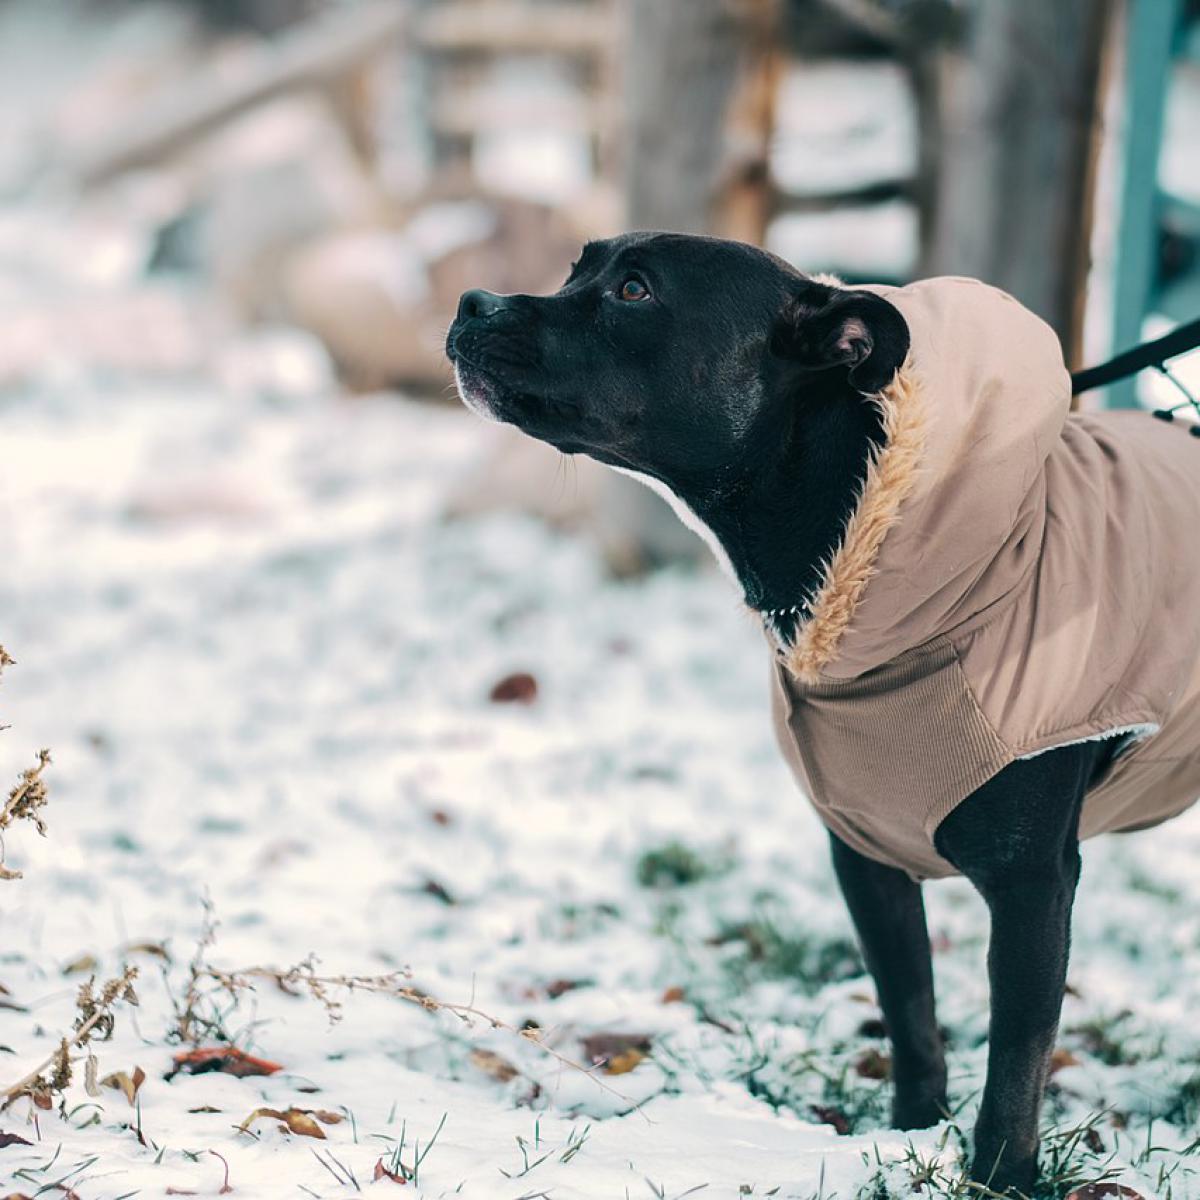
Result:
[1148,354]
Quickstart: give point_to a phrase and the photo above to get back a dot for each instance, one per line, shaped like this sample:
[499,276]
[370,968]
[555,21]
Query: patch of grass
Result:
[771,951]
[1107,1039]
[1142,881]
[675,865]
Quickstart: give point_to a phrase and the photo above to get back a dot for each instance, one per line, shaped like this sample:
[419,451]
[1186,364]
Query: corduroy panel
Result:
[913,724]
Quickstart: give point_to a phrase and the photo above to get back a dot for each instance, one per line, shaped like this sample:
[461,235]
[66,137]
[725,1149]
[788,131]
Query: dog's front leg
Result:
[1016,839]
[889,917]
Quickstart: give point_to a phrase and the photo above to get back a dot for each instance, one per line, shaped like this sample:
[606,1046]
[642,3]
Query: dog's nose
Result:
[478,303]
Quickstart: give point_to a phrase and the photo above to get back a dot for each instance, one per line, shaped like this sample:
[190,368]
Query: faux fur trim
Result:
[891,476]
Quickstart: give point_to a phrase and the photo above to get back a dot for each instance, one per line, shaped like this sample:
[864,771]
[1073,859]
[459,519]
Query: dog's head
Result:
[683,358]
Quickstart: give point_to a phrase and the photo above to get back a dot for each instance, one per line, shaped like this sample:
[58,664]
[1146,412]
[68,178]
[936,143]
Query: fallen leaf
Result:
[12,1139]
[673,995]
[606,1047]
[623,1063]
[518,688]
[297,1120]
[89,1076]
[874,1065]
[1061,1058]
[326,1117]
[129,1084]
[560,987]
[227,1059]
[205,1108]
[493,1066]
[382,1172]
[154,949]
[828,1115]
[438,891]
[8,1003]
[84,962]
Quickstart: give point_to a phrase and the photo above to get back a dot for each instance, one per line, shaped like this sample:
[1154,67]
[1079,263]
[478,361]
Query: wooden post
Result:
[1019,123]
[699,79]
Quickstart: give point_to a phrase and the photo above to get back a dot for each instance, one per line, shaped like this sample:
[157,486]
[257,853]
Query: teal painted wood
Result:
[1151,30]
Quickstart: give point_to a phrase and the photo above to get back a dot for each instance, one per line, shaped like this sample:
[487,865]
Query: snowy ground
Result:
[264,664]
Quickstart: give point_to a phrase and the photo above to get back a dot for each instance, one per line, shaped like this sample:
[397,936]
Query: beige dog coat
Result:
[1015,577]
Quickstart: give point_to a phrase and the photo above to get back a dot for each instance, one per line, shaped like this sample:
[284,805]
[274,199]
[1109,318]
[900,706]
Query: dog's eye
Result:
[634,289]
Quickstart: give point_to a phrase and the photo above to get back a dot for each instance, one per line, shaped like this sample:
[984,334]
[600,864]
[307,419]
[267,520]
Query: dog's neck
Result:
[782,522]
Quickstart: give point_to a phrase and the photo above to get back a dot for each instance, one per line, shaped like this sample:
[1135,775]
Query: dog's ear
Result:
[824,327]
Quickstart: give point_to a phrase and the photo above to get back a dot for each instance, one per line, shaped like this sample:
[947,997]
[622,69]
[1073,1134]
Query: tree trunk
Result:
[1019,128]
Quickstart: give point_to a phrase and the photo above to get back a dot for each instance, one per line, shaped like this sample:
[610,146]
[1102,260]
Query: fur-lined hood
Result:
[949,511]
[1015,577]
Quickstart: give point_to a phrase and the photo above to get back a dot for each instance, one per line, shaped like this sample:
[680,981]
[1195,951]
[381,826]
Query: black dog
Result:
[681,360]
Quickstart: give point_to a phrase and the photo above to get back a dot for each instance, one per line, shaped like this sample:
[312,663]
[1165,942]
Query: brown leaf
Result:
[80,965]
[610,1048]
[326,1117]
[1062,1057]
[828,1115]
[438,891]
[560,987]
[154,949]
[297,1120]
[126,1083]
[492,1065]
[623,1063]
[204,1108]
[518,688]
[874,1065]
[673,995]
[227,1059]
[381,1172]
[12,1139]
[1097,1191]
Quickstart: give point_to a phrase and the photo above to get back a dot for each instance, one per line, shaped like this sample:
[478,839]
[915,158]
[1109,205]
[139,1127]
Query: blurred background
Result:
[176,174]
[391,686]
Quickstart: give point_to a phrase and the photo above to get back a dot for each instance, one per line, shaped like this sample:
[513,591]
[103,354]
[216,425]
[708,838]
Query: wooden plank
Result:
[1019,116]
[458,115]
[879,192]
[318,52]
[511,27]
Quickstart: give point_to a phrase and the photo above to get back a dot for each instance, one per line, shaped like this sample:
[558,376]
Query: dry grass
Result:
[27,798]
[94,1019]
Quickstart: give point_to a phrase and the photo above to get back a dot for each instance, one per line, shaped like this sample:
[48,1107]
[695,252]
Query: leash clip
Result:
[1189,401]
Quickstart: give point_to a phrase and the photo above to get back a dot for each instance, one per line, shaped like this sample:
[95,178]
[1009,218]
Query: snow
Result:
[263,660]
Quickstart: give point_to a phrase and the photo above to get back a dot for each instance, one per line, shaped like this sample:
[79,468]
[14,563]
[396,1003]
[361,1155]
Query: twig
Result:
[394,984]
[94,1012]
